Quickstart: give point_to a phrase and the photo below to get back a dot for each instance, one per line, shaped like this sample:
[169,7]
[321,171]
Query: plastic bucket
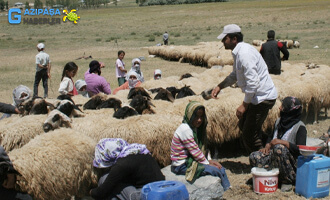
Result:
[264,182]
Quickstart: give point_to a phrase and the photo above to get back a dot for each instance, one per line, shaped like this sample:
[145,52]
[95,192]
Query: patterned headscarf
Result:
[108,150]
[290,114]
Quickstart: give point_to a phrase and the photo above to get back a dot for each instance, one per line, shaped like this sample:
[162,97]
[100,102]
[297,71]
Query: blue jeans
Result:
[41,75]
[209,170]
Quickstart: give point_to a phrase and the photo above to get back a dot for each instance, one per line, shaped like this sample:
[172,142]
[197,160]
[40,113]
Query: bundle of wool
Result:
[56,165]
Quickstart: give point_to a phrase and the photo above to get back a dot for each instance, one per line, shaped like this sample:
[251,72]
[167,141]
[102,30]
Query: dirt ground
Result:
[238,171]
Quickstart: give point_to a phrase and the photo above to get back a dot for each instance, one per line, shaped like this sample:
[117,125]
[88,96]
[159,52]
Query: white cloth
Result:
[66,86]
[251,73]
[137,68]
[17,92]
[42,58]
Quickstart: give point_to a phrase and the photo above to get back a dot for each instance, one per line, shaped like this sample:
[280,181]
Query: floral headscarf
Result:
[108,150]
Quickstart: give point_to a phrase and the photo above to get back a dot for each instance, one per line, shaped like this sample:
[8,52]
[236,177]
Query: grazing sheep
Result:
[55,120]
[164,94]
[138,91]
[124,112]
[56,165]
[142,104]
[184,92]
[154,90]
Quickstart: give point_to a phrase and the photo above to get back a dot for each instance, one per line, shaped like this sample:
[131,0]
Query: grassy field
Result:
[102,32]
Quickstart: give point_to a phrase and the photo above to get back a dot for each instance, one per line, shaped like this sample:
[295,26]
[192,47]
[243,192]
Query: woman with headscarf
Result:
[20,94]
[281,150]
[95,82]
[188,148]
[81,87]
[133,81]
[128,168]
[157,74]
[136,66]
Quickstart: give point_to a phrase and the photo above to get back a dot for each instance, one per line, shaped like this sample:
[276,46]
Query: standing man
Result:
[165,38]
[251,74]
[270,51]
[42,70]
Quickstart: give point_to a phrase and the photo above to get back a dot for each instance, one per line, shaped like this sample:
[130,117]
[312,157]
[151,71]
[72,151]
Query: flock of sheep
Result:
[58,164]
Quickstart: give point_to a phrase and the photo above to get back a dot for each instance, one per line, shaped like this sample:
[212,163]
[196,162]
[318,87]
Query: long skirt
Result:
[279,157]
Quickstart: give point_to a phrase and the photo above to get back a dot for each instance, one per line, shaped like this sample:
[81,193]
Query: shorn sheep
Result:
[56,165]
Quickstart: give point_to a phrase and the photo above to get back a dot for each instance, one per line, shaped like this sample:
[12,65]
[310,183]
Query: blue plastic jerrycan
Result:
[165,190]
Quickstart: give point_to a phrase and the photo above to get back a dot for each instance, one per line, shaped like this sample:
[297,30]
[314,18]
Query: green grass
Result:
[102,32]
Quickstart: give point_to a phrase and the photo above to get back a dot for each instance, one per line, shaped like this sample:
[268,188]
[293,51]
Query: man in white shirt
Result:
[251,74]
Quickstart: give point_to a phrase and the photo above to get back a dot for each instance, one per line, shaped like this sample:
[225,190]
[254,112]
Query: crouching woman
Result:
[126,169]
[188,152]
[281,150]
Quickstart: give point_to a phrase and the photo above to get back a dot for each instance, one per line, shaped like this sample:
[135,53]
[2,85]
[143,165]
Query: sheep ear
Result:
[150,104]
[170,96]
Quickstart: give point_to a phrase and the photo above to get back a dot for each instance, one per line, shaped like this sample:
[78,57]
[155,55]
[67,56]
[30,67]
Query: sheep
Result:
[110,103]
[124,112]
[173,90]
[141,104]
[206,94]
[35,106]
[69,108]
[138,91]
[56,165]
[55,120]
[183,76]
[164,94]
[185,91]
[16,131]
[95,101]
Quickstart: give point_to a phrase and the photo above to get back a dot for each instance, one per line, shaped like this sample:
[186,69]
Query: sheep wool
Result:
[56,165]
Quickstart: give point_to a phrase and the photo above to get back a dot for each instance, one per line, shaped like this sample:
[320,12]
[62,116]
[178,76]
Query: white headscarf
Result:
[157,71]
[137,68]
[18,91]
[132,83]
[79,84]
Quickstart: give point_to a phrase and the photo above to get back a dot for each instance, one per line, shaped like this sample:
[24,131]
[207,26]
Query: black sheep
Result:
[173,90]
[93,103]
[137,91]
[124,112]
[164,94]
[184,92]
[35,106]
[187,75]
[110,103]
[141,103]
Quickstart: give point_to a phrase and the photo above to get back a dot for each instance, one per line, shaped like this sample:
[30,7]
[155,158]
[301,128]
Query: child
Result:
[81,87]
[120,68]
[42,70]
[188,148]
[67,85]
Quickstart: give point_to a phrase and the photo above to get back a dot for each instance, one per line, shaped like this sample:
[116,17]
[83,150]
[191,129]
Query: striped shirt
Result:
[183,144]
